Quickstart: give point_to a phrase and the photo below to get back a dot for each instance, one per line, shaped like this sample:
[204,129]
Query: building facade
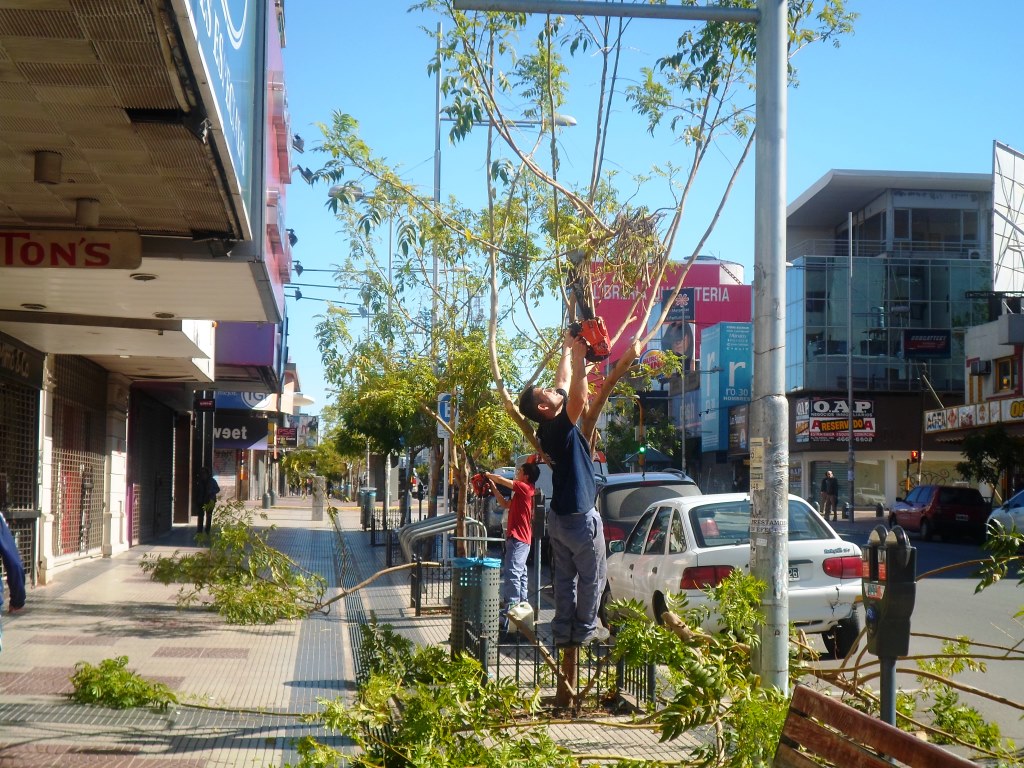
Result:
[883,308]
[143,168]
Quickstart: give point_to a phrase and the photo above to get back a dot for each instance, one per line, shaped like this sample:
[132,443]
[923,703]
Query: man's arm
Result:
[564,373]
[578,392]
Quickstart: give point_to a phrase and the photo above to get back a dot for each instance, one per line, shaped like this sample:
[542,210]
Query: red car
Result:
[943,510]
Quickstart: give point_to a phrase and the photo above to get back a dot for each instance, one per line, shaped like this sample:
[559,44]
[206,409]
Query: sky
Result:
[921,85]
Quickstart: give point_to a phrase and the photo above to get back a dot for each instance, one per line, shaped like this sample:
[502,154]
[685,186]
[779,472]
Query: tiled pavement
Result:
[253,679]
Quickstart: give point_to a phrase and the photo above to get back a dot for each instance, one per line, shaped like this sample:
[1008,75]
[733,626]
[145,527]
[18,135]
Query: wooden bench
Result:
[819,726]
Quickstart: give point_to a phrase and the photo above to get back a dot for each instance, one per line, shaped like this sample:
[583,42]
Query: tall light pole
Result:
[433,282]
[851,460]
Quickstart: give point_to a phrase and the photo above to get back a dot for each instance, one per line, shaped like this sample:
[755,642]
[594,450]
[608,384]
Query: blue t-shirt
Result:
[573,488]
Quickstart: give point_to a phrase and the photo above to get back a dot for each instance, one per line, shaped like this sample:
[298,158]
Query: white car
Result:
[688,543]
[1011,514]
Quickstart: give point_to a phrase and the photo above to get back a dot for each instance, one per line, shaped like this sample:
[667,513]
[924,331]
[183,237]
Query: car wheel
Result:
[893,522]
[842,638]
[926,529]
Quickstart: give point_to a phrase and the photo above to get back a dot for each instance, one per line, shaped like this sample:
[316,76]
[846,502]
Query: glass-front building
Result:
[909,314]
[883,313]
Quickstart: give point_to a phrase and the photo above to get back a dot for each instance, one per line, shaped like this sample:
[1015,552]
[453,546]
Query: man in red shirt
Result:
[514,581]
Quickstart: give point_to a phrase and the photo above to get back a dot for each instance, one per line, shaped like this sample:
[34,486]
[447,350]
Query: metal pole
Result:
[850,456]
[769,524]
[434,279]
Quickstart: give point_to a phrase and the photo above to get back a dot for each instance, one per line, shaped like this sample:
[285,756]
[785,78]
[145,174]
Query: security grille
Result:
[19,431]
[78,461]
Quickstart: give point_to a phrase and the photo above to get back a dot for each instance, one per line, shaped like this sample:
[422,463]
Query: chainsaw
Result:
[591,328]
[478,480]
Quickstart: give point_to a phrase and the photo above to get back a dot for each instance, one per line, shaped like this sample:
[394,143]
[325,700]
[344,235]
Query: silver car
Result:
[688,543]
[1010,515]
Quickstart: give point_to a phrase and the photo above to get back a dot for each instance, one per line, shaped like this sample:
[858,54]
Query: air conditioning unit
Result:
[981,367]
[974,253]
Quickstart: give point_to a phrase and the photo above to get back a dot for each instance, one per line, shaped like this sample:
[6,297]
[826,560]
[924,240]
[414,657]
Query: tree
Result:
[540,230]
[990,457]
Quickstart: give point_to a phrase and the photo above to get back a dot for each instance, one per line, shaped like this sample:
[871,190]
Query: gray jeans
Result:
[514,577]
[579,573]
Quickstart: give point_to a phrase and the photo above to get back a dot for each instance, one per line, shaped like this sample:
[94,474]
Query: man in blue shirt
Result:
[579,569]
[14,570]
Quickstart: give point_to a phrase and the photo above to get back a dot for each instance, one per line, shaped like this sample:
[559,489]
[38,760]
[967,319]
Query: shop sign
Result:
[70,249]
[927,343]
[240,430]
[825,419]
[287,436]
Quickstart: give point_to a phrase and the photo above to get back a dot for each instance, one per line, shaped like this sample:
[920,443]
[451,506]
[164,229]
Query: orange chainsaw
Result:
[592,328]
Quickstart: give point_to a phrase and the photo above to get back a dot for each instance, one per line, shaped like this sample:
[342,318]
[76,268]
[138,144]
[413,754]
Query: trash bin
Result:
[361,501]
[369,499]
[475,587]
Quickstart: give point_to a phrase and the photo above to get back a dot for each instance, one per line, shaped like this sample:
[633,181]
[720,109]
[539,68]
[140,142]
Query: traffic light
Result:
[915,456]
[641,454]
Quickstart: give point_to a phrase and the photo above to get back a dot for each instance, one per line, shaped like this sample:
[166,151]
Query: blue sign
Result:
[240,401]
[726,376]
[227,32]
[444,410]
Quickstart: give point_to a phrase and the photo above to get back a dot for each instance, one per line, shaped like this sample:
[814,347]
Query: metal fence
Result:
[381,522]
[430,585]
[595,672]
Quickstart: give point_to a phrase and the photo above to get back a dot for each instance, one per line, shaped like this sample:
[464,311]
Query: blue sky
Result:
[921,85]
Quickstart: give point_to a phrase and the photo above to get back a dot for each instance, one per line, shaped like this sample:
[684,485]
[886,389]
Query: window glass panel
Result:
[901,223]
[636,540]
[659,532]
[676,539]
[970,226]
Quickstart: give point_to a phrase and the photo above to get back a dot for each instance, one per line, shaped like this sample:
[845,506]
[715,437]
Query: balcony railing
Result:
[839,248]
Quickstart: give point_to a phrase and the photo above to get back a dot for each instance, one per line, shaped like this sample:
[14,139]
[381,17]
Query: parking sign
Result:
[444,410]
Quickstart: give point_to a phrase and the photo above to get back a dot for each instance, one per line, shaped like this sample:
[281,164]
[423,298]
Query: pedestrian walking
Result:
[829,495]
[206,498]
[15,572]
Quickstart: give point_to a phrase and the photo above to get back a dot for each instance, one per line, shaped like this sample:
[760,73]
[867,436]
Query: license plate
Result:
[794,573]
[961,518]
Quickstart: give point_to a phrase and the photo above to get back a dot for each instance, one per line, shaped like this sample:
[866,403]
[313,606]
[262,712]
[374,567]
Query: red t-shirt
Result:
[520,512]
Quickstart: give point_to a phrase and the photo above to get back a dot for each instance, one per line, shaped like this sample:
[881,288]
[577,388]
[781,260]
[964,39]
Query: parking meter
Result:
[889,586]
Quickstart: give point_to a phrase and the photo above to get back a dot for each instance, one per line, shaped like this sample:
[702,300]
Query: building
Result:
[144,255]
[920,253]
[713,292]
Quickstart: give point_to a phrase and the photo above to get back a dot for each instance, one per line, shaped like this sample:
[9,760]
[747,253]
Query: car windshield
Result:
[630,501]
[1016,501]
[723,524]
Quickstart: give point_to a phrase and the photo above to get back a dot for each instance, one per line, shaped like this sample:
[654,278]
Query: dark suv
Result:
[623,497]
[945,510]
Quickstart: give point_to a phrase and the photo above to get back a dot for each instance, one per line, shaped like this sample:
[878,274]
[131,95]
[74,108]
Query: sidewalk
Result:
[107,607]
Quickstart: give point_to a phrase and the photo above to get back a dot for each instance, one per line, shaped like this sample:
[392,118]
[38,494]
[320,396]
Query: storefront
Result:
[21,377]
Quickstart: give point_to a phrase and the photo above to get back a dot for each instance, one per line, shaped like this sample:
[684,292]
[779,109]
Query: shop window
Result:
[1006,375]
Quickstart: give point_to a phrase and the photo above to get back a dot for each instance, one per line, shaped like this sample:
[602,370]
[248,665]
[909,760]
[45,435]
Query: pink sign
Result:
[717,297]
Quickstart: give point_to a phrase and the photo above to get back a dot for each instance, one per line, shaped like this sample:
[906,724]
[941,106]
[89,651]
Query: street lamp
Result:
[850,453]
